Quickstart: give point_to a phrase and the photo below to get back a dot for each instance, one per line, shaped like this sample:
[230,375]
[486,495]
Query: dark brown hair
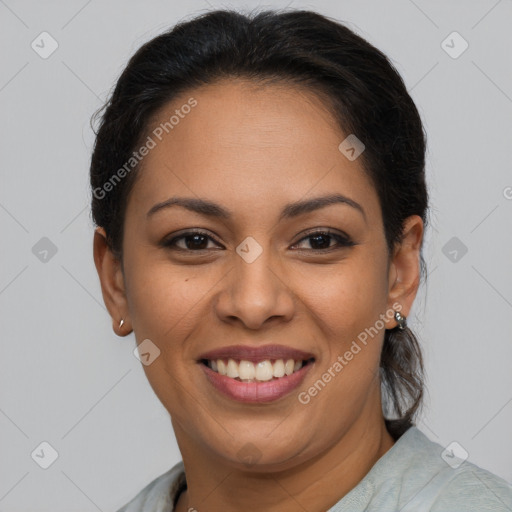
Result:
[363,89]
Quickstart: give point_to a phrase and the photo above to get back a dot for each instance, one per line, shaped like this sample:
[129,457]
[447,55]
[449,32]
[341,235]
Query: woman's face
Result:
[254,278]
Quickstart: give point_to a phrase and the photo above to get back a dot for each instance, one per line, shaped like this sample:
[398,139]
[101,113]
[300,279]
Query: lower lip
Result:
[255,392]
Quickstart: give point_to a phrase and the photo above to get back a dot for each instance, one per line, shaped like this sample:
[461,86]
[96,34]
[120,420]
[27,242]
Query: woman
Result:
[260,201]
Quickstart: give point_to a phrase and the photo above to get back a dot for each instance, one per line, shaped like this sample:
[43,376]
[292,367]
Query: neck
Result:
[316,484]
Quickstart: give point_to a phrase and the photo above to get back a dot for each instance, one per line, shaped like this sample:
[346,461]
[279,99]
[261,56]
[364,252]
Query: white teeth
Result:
[246,370]
[263,371]
[232,369]
[279,368]
[221,367]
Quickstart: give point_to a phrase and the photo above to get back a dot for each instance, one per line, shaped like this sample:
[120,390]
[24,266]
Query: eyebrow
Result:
[291,210]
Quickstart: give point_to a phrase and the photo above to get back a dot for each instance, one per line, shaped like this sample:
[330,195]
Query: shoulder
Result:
[417,474]
[158,495]
[437,479]
[474,489]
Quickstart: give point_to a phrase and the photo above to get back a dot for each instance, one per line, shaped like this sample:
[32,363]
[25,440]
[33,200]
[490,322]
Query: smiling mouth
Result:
[260,371]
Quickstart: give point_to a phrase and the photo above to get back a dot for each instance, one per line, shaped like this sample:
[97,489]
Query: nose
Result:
[256,293]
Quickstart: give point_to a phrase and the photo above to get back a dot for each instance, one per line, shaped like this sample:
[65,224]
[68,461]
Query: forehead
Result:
[248,143]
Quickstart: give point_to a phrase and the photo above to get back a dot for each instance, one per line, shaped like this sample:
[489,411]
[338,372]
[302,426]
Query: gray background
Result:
[67,379]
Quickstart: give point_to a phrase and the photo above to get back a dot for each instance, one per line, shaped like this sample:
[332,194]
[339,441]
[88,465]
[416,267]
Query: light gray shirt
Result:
[411,476]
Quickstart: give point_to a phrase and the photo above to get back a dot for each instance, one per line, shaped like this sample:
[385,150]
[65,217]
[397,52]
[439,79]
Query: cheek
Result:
[347,304]
[166,301]
[165,307]
[347,298]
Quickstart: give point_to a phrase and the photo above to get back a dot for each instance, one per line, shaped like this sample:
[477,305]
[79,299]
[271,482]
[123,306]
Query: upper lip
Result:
[256,354]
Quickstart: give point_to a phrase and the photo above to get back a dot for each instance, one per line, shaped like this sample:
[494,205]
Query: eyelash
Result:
[343,241]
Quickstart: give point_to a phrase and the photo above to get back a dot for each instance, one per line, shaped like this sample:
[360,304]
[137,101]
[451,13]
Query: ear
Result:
[404,269]
[110,272]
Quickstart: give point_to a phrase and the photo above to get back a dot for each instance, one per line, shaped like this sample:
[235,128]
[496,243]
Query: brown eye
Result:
[193,241]
[321,241]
